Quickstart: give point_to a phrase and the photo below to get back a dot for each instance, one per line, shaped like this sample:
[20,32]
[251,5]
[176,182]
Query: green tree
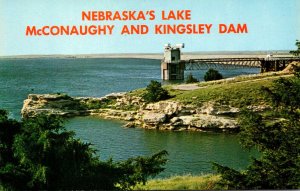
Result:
[296,52]
[39,153]
[11,175]
[155,92]
[191,79]
[276,136]
[212,74]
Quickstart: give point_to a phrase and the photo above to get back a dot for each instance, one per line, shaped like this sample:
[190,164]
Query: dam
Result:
[172,67]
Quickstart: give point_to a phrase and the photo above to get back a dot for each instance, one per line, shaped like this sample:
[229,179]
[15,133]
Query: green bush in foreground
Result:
[191,79]
[40,154]
[212,74]
[278,141]
[155,92]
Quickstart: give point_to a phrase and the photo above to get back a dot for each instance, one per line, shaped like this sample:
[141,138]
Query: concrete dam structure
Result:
[172,67]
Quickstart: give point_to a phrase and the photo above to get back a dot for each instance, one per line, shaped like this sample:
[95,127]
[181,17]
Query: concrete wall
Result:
[172,71]
[171,55]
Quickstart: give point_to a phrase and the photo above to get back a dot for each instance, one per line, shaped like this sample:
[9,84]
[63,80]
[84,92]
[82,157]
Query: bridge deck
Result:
[198,64]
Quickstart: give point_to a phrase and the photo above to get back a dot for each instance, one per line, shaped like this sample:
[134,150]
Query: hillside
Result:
[238,92]
[206,106]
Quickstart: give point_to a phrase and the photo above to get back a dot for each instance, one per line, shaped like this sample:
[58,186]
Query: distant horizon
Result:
[154,55]
[145,53]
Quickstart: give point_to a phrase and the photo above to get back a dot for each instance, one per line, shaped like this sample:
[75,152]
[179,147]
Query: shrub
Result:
[212,74]
[190,79]
[278,142]
[40,154]
[296,52]
[155,92]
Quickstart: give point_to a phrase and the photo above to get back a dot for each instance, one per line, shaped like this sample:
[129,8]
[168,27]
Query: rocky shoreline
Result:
[172,114]
[162,115]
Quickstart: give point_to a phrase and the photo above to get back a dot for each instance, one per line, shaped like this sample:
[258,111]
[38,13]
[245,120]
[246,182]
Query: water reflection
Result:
[189,152]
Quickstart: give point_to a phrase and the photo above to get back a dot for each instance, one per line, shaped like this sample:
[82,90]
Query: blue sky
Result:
[272,25]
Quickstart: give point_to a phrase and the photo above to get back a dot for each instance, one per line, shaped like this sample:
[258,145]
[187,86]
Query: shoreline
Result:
[203,108]
[156,56]
[167,115]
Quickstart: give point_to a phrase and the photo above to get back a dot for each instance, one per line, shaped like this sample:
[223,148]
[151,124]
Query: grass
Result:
[99,104]
[238,92]
[187,182]
[137,92]
[235,94]
[129,107]
[242,78]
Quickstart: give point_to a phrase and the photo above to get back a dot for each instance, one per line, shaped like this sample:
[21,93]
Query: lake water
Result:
[189,152]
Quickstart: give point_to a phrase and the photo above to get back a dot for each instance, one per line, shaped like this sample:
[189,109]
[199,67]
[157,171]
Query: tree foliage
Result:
[155,92]
[212,74]
[191,79]
[277,137]
[296,52]
[40,154]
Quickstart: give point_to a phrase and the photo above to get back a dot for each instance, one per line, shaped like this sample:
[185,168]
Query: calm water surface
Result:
[190,152]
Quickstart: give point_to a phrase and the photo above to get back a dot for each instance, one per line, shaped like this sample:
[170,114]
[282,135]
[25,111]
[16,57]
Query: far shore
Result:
[159,56]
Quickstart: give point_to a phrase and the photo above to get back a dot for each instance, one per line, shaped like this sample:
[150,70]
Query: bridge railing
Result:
[230,63]
[222,63]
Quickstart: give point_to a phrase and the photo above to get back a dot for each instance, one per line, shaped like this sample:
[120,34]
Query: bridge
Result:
[174,70]
[172,67]
[266,64]
[223,63]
